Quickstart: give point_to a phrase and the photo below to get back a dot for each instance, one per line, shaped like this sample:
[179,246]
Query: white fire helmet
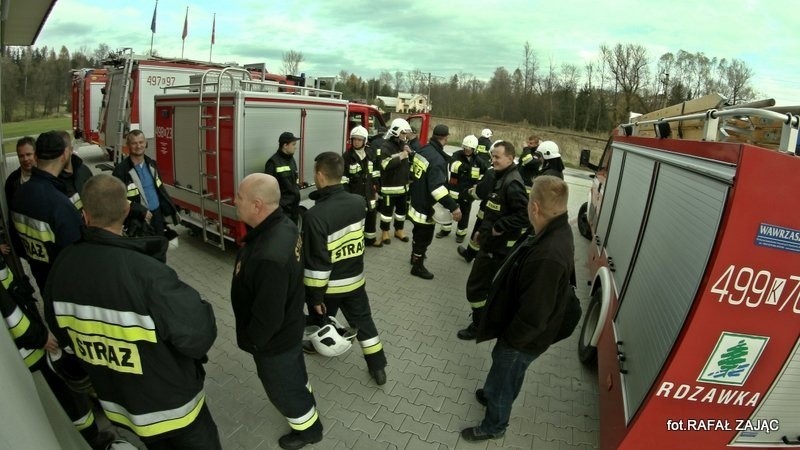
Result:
[333,339]
[359,132]
[487,133]
[470,141]
[549,150]
[399,126]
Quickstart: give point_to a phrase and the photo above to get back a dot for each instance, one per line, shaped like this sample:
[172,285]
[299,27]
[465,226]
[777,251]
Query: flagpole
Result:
[153,28]
[213,31]
[185,31]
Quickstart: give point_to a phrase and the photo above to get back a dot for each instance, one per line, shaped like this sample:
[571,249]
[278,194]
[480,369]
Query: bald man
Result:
[267,294]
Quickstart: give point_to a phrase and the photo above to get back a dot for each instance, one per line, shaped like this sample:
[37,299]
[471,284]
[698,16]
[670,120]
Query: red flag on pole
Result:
[153,22]
[213,29]
[185,25]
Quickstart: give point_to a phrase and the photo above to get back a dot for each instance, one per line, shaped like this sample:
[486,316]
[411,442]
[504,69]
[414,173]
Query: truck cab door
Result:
[421,123]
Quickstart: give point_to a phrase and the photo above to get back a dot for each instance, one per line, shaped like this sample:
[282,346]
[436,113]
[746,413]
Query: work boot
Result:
[469,333]
[442,234]
[297,439]
[379,375]
[418,268]
[459,239]
[400,234]
[474,434]
[385,239]
[465,253]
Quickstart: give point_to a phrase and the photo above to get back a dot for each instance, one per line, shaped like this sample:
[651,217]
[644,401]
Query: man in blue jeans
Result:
[526,304]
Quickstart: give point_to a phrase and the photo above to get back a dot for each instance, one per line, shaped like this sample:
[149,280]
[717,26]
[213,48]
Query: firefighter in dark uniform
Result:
[552,163]
[267,294]
[394,161]
[465,171]
[283,167]
[484,148]
[45,221]
[429,186]
[140,333]
[333,238]
[75,173]
[361,177]
[505,219]
[480,191]
[529,161]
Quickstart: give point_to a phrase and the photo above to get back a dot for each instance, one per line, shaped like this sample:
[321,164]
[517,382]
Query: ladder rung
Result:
[209,176]
[208,152]
[226,200]
[207,127]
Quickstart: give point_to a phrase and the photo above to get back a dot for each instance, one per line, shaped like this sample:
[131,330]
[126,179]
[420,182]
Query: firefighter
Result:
[361,177]
[480,191]
[483,150]
[44,219]
[429,186]
[552,163]
[527,305]
[26,154]
[267,295]
[465,171]
[144,339]
[333,241]
[529,161]
[34,342]
[283,167]
[504,221]
[394,161]
[75,173]
[150,201]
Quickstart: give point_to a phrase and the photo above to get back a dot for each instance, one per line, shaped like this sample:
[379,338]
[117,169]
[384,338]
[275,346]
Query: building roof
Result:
[389,102]
[22,20]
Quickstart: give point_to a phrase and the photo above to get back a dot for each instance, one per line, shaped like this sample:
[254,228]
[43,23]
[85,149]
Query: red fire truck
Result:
[87,97]
[694,319]
[226,126]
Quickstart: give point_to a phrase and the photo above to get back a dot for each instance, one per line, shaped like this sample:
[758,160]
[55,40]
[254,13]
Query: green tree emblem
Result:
[731,363]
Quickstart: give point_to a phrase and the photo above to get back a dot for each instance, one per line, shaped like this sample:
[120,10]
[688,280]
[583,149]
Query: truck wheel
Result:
[583,222]
[587,353]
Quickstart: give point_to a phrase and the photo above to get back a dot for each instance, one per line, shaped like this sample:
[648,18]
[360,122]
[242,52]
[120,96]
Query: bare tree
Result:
[738,77]
[291,62]
[569,81]
[399,81]
[530,65]
[628,64]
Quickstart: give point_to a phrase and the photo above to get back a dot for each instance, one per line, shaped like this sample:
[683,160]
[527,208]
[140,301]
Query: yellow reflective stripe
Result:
[36,229]
[76,200]
[372,349]
[346,284]
[476,173]
[354,168]
[481,149]
[84,422]
[6,276]
[308,386]
[474,245]
[158,182]
[347,233]
[393,189]
[31,357]
[511,243]
[527,158]
[386,218]
[121,325]
[447,227]
[305,421]
[133,191]
[280,169]
[479,304]
[439,193]
[418,217]
[454,194]
[376,173]
[399,218]
[480,214]
[155,423]
[345,180]
[455,166]
[316,278]
[18,323]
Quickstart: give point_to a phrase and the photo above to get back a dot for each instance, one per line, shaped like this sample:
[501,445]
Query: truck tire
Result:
[587,353]
[583,222]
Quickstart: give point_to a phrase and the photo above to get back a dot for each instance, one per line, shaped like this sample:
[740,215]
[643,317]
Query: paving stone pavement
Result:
[432,375]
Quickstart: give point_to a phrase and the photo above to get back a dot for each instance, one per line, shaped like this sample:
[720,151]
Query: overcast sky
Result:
[369,36]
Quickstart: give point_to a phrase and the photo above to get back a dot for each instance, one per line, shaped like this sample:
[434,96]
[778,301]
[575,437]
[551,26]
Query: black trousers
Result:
[463,224]
[370,224]
[484,268]
[157,222]
[355,307]
[77,406]
[390,204]
[421,238]
[201,434]
[285,381]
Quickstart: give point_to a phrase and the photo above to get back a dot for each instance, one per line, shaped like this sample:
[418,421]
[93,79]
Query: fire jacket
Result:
[139,332]
[483,150]
[284,168]
[267,289]
[28,333]
[529,162]
[394,171]
[45,222]
[429,172]
[506,211]
[529,294]
[127,173]
[74,181]
[465,172]
[362,176]
[333,240]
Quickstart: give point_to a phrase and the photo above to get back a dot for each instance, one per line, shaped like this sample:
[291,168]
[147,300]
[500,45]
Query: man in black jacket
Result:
[267,294]
[75,173]
[504,221]
[526,306]
[140,333]
[333,251]
[429,186]
[283,167]
[393,157]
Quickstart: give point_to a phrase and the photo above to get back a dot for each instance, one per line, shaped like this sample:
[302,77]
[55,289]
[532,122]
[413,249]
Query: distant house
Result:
[406,103]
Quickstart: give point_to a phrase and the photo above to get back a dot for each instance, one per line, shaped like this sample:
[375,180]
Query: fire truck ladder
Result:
[124,110]
[210,121]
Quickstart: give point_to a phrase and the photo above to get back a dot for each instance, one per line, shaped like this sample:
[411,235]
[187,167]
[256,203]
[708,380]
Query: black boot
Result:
[299,439]
[442,234]
[466,252]
[418,267]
